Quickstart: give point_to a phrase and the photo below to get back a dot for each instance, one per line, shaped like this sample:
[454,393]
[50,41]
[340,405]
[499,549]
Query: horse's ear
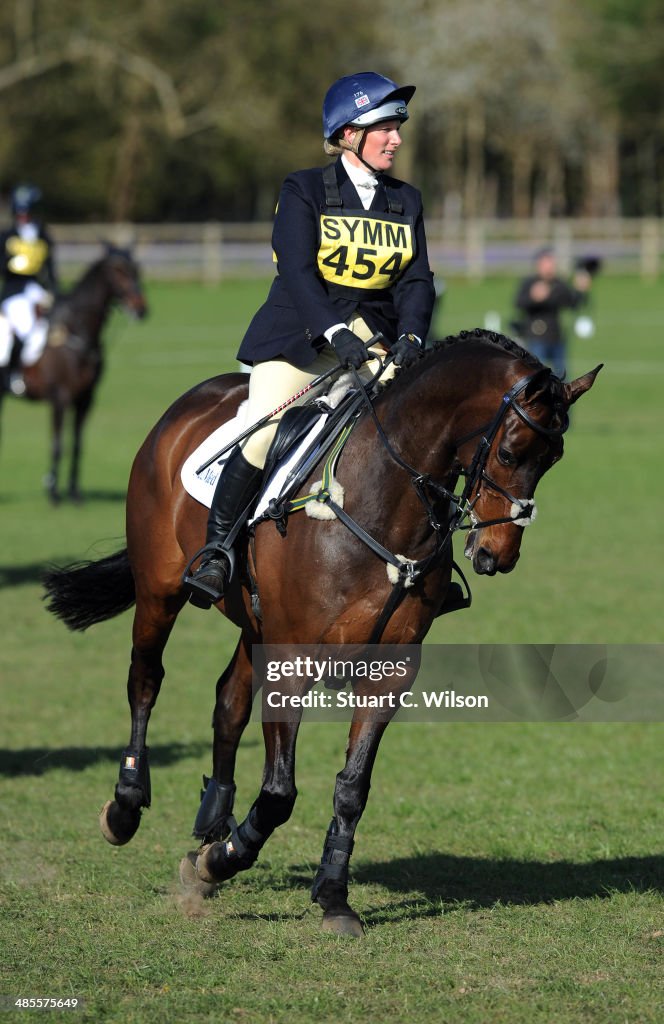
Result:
[575,388]
[537,385]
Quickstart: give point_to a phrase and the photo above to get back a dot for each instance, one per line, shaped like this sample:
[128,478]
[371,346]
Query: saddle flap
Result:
[293,426]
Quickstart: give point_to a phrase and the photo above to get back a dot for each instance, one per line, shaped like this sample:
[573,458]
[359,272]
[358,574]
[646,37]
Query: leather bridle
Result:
[476,474]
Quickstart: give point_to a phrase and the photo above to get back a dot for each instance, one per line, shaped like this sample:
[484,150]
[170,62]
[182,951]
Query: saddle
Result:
[294,428]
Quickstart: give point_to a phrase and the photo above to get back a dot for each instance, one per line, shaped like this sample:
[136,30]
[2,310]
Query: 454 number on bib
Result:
[365,266]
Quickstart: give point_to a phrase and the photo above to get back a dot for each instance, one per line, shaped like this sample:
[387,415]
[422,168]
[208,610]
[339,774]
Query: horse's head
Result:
[124,280]
[505,460]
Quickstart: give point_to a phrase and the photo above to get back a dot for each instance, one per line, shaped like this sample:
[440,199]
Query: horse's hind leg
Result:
[231,713]
[153,621]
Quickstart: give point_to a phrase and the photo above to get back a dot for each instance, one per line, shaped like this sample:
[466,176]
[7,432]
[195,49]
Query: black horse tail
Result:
[87,592]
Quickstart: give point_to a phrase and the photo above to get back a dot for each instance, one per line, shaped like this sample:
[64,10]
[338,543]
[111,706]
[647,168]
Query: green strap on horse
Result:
[323,493]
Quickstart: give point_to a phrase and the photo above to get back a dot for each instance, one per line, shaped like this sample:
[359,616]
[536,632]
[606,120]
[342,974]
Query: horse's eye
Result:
[506,457]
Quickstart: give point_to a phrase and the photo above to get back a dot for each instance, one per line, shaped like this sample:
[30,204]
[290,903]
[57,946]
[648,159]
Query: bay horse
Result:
[70,367]
[476,406]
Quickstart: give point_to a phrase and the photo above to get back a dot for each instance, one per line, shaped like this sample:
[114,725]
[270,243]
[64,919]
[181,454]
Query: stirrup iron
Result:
[200,592]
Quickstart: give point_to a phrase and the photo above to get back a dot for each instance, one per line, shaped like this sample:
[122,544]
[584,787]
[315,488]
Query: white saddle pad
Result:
[201,487]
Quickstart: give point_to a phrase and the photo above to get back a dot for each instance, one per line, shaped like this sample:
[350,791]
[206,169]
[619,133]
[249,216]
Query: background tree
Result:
[172,111]
[620,44]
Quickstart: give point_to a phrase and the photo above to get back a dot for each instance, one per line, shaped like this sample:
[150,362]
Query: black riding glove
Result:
[349,349]
[407,350]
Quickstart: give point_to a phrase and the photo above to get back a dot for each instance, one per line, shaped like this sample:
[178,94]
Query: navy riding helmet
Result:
[362,100]
[24,197]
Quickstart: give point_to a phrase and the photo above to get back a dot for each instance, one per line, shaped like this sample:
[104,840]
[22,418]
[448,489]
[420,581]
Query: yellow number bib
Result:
[26,257]
[358,251]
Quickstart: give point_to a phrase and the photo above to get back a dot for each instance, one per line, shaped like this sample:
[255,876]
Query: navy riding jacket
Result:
[335,260]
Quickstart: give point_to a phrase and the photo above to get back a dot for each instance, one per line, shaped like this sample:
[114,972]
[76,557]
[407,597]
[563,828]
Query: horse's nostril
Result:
[485,562]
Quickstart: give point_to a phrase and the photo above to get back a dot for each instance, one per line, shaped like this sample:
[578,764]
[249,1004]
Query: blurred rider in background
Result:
[29,281]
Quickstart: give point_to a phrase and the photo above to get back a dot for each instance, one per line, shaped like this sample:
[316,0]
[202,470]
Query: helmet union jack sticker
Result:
[361,101]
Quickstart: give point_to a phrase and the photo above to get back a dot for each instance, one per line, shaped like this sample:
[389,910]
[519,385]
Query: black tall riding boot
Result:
[236,488]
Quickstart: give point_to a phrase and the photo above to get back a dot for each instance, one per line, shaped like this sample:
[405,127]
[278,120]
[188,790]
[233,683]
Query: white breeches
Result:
[6,340]
[276,380]
[21,313]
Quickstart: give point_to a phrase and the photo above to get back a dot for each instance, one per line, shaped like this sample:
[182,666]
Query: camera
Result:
[591,264]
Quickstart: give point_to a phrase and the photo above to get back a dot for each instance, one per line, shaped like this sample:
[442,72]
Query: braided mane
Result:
[493,338]
[553,388]
[499,341]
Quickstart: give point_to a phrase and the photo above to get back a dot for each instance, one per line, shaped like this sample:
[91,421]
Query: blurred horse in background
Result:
[70,367]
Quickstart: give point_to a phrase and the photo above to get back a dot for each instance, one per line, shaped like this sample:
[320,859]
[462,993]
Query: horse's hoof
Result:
[191,880]
[118,825]
[203,863]
[343,924]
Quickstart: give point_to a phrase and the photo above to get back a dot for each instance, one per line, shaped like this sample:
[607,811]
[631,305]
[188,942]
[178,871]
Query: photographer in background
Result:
[541,297]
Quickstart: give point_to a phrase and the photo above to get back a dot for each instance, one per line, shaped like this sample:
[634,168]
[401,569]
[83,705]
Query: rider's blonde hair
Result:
[334,147]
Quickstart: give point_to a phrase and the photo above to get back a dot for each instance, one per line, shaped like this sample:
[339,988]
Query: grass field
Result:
[505,873]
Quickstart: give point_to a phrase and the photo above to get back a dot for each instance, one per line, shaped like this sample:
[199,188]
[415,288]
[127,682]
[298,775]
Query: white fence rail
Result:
[476,248]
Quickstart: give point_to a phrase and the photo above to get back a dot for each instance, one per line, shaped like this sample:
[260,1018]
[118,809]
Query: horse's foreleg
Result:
[57,420]
[231,713]
[330,888]
[273,806]
[153,622]
[81,410]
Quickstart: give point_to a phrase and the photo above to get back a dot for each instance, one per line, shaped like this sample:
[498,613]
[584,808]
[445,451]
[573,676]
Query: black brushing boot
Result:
[236,489]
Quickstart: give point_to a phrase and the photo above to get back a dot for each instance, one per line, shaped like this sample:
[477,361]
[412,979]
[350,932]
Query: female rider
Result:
[352,261]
